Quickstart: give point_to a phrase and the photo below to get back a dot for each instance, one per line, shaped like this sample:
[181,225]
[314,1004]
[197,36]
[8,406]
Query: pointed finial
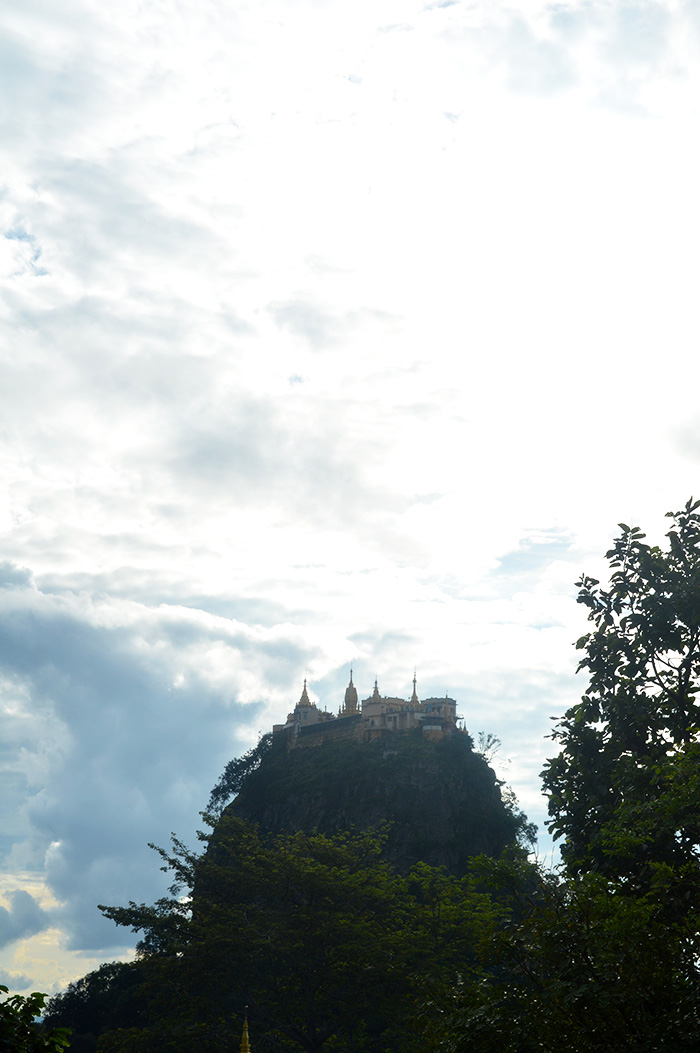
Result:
[245,1042]
[304,700]
[414,696]
[350,704]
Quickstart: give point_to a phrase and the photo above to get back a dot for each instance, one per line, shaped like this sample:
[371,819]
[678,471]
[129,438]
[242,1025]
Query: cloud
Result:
[534,555]
[535,64]
[14,577]
[317,326]
[321,326]
[639,34]
[270,455]
[200,206]
[122,714]
[14,981]
[24,918]
[605,54]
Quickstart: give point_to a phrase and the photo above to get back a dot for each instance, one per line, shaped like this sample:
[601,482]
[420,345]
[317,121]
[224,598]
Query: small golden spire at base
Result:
[245,1043]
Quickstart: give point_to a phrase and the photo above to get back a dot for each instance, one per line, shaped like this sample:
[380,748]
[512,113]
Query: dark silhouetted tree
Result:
[605,954]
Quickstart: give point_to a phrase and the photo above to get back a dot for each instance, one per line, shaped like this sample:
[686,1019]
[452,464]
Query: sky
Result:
[332,334]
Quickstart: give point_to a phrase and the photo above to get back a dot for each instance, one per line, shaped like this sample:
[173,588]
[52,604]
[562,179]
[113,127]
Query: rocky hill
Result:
[441,800]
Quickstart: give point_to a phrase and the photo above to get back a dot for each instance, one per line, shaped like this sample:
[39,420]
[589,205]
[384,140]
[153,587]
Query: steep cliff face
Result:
[442,801]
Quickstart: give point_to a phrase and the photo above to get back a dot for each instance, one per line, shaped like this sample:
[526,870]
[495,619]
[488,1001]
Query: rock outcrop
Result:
[441,800]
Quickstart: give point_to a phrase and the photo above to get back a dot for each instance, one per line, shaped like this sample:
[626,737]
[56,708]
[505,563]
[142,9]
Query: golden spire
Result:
[350,704]
[414,696]
[304,700]
[375,694]
[245,1044]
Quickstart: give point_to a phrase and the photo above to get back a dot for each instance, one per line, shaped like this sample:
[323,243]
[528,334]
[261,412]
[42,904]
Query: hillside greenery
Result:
[441,801]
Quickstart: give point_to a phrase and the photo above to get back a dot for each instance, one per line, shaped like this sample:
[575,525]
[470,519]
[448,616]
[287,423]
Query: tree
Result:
[103,1000]
[329,948]
[623,791]
[579,966]
[235,774]
[605,954]
[20,1031]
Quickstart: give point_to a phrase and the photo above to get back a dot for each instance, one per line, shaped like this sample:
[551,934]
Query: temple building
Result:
[375,717]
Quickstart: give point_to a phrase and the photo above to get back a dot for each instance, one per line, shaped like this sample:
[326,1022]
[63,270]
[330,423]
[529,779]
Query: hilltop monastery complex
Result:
[373,718]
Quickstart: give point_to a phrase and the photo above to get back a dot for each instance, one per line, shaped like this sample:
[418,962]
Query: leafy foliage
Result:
[330,948]
[235,774]
[580,966]
[623,792]
[103,999]
[19,1030]
[488,745]
[606,954]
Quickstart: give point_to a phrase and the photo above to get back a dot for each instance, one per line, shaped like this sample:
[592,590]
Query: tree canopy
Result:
[604,954]
[326,944]
[106,998]
[19,1030]
[622,791]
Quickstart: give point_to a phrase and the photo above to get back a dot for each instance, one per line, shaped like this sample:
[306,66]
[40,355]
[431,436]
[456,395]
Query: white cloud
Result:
[328,334]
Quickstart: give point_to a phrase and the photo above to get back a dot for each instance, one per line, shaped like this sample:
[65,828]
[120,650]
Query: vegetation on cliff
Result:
[440,801]
[332,897]
[325,943]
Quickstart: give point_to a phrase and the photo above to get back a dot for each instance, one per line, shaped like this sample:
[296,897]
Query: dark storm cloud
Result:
[24,918]
[124,721]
